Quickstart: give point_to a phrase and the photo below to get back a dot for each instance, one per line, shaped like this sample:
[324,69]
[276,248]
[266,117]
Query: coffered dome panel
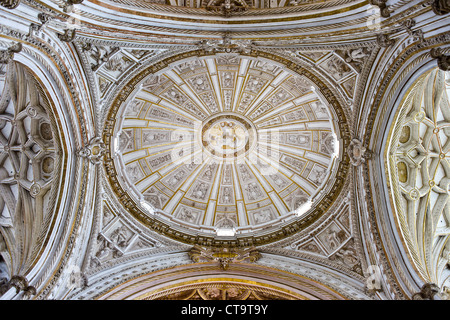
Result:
[225,146]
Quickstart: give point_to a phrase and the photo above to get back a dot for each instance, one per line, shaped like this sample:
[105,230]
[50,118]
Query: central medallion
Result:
[228,136]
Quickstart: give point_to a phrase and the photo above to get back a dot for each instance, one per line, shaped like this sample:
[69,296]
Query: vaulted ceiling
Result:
[224,149]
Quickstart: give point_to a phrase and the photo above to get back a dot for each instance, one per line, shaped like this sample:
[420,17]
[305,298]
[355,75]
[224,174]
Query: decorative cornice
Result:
[226,45]
[38,49]
[312,5]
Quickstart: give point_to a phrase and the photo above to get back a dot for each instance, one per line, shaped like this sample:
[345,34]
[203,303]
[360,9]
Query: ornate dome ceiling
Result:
[282,149]
[225,144]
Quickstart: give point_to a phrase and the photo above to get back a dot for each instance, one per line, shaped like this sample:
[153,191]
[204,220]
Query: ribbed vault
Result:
[225,141]
[419,174]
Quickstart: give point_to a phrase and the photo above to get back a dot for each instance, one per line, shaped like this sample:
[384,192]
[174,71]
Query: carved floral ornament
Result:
[227,7]
[441,7]
[357,152]
[144,208]
[94,151]
[227,44]
[10,4]
[224,256]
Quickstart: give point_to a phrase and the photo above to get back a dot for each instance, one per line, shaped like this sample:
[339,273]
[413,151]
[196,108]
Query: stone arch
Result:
[181,281]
